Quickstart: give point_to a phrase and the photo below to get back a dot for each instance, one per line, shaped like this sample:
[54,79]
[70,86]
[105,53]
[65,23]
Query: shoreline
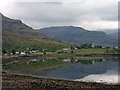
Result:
[13,82]
[61,55]
[74,80]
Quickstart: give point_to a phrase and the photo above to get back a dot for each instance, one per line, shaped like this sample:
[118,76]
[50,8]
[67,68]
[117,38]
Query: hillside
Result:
[115,34]
[17,35]
[79,35]
[112,32]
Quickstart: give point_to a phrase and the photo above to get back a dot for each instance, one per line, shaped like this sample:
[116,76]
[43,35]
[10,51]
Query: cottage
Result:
[43,50]
[93,46]
[65,49]
[23,53]
[76,48]
[33,51]
[17,52]
[67,60]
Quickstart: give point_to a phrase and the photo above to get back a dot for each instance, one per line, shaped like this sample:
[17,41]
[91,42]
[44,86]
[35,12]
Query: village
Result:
[28,51]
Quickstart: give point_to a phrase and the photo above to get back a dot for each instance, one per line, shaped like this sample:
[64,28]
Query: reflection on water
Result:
[110,76]
[89,70]
[96,69]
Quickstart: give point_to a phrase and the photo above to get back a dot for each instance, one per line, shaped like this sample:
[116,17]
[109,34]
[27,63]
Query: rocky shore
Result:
[18,82]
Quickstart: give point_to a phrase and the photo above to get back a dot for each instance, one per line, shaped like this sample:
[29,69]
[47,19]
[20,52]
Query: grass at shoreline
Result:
[80,51]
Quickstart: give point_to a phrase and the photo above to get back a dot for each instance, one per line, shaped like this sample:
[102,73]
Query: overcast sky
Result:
[89,14]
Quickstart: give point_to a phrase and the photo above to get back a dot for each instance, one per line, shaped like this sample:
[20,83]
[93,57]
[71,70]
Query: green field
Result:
[79,51]
[89,51]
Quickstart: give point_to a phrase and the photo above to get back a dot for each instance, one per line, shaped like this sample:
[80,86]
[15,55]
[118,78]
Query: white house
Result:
[17,52]
[66,49]
[23,53]
[75,48]
[43,50]
[66,60]
[33,51]
[93,46]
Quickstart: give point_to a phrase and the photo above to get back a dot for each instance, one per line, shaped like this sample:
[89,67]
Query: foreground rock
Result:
[15,82]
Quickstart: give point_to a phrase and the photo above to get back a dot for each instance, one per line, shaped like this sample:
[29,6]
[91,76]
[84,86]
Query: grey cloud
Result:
[60,13]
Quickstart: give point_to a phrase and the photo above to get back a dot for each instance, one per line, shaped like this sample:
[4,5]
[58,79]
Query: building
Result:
[23,53]
[67,60]
[93,46]
[76,48]
[65,49]
[34,51]
[17,52]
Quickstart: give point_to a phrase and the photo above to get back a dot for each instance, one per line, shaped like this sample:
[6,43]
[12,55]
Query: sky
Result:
[89,14]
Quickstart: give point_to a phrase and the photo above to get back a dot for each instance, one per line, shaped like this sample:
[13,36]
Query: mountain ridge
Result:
[79,35]
[17,35]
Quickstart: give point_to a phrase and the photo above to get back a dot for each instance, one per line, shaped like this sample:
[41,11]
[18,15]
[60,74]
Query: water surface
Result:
[86,69]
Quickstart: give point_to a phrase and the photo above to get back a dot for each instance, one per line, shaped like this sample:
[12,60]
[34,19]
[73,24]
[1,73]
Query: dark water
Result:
[79,70]
[97,70]
[104,71]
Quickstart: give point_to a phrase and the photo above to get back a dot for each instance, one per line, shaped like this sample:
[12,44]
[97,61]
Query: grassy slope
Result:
[15,41]
[17,35]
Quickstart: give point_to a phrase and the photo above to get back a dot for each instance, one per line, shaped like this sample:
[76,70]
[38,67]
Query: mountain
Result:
[115,34]
[112,32]
[17,35]
[109,31]
[79,35]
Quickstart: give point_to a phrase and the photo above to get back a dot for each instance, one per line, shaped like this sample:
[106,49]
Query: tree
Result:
[27,52]
[60,52]
[78,47]
[87,45]
[71,52]
[44,53]
[4,51]
[72,48]
[107,47]
[98,46]
[107,51]
[13,51]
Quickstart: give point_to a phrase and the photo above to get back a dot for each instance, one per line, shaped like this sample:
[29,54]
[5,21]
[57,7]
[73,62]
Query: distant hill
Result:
[110,31]
[115,34]
[17,35]
[79,35]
